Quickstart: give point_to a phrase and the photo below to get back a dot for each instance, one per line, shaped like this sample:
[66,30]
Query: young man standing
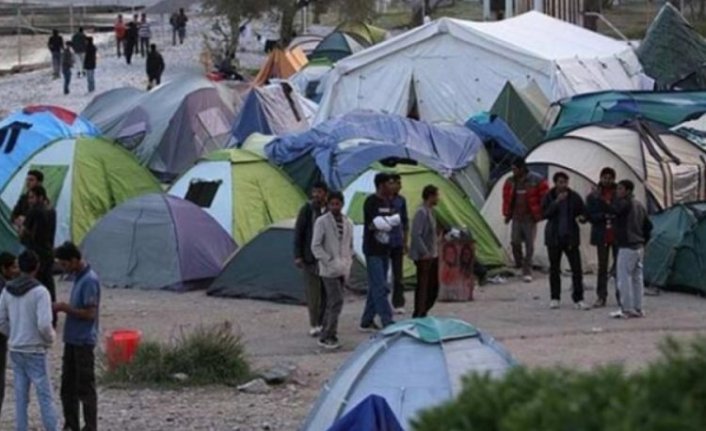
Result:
[304,257]
[34,178]
[379,220]
[55,45]
[89,64]
[332,246]
[522,205]
[9,270]
[26,318]
[120,30]
[67,63]
[424,251]
[633,229]
[599,210]
[145,33]
[181,20]
[78,42]
[131,40]
[562,207]
[78,380]
[154,66]
[398,245]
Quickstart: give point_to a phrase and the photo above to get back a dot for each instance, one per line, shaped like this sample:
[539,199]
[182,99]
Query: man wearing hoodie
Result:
[9,270]
[26,317]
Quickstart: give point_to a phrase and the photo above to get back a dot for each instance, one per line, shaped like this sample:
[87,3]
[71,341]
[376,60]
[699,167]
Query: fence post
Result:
[19,36]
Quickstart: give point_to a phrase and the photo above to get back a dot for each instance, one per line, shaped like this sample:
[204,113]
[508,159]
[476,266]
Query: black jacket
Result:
[597,212]
[56,43]
[89,61]
[303,233]
[633,227]
[552,212]
[154,64]
[131,34]
[39,231]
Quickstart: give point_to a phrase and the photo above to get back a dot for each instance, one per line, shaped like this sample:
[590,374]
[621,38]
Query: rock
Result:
[180,377]
[278,374]
[257,386]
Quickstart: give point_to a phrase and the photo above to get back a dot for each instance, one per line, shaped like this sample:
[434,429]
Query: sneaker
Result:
[618,314]
[527,278]
[400,310]
[370,327]
[581,306]
[330,344]
[315,331]
[600,303]
[554,304]
[634,314]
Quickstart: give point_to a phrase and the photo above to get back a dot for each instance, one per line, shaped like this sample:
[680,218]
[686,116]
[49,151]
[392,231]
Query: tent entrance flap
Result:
[202,192]
[54,176]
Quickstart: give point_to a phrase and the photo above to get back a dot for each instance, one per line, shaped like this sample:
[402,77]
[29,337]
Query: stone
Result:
[278,374]
[257,386]
[180,377]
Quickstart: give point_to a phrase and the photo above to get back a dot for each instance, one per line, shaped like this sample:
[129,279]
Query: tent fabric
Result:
[449,69]
[248,194]
[524,111]
[98,176]
[306,42]
[372,414]
[432,330]
[500,141]
[170,127]
[24,132]
[673,52]
[157,241]
[665,108]
[675,258]
[309,81]
[693,130]
[281,64]
[454,209]
[9,241]
[370,34]
[382,366]
[337,46]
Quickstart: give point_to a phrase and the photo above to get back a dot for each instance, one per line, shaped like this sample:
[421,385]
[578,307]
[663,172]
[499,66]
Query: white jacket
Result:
[334,255]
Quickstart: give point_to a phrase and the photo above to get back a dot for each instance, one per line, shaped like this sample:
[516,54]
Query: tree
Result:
[233,11]
[357,10]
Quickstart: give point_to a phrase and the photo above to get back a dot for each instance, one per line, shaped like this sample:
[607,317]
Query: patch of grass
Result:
[207,355]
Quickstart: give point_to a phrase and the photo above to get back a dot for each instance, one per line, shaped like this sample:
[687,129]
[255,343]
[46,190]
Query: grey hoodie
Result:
[26,315]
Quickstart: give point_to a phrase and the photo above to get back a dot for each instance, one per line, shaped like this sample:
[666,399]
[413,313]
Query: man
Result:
[633,229]
[120,30]
[155,67]
[332,246]
[175,29]
[304,257]
[67,63]
[424,251]
[181,21]
[55,45]
[78,380]
[26,318]
[131,40]
[9,270]
[78,42]
[379,220]
[89,65]
[522,205]
[145,33]
[599,210]
[398,245]
[562,207]
[34,178]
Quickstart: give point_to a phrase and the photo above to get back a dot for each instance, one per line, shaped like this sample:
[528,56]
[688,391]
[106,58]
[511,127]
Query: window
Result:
[202,192]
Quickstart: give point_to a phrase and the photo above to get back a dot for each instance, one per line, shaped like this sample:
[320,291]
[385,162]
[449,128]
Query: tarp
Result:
[500,141]
[524,111]
[693,130]
[281,64]
[337,46]
[157,241]
[372,414]
[449,69]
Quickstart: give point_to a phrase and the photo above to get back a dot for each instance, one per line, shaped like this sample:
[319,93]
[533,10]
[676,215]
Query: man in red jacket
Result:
[522,205]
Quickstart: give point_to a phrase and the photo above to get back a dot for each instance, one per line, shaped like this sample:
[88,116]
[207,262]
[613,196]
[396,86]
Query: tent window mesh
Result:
[202,193]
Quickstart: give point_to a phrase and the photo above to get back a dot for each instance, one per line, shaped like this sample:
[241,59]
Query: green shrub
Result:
[669,395]
[207,355]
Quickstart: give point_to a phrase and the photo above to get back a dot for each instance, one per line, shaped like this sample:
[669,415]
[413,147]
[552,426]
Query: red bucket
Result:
[121,346]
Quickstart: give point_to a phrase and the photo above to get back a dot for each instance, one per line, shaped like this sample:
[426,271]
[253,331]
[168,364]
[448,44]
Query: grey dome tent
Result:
[414,365]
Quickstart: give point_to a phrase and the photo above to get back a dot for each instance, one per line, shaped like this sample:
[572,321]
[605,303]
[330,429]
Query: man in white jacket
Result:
[26,318]
[332,246]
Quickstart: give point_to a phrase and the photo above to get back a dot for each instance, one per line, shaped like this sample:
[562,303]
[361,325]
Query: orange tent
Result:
[281,64]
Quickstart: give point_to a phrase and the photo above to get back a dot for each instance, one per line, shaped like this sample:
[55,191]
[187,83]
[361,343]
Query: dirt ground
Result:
[515,313]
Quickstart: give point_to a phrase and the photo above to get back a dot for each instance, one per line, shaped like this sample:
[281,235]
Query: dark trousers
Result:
[334,305]
[154,80]
[396,260]
[604,269]
[427,286]
[129,49]
[144,46]
[78,384]
[3,367]
[573,254]
[119,45]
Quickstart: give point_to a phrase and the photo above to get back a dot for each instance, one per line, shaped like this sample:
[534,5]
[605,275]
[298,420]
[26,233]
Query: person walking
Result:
[120,30]
[332,246]
[155,67]
[89,64]
[398,245]
[26,319]
[78,379]
[9,270]
[633,229]
[79,43]
[522,205]
[131,40]
[600,213]
[181,20]
[379,220]
[67,63]
[562,207]
[175,29]
[304,257]
[145,33]
[19,212]
[55,45]
[424,251]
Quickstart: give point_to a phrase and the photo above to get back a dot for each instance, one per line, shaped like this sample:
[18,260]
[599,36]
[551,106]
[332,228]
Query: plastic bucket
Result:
[121,346]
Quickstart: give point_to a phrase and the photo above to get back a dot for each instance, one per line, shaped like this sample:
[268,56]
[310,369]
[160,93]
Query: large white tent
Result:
[448,69]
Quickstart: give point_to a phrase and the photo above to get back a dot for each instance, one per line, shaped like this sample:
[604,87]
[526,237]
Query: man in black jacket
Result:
[155,67]
[131,39]
[34,178]
[89,64]
[304,258]
[55,45]
[562,207]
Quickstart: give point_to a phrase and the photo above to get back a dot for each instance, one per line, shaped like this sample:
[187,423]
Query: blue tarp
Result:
[501,142]
[252,119]
[25,132]
[344,147]
[372,414]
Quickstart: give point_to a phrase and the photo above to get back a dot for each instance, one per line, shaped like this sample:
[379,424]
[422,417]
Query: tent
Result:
[274,109]
[675,258]
[27,131]
[693,130]
[500,141]
[337,46]
[243,192]
[364,32]
[341,149]
[372,414]
[281,64]
[666,168]
[157,241]
[666,108]
[454,210]
[243,275]
[170,127]
[306,42]
[85,178]
[414,365]
[673,52]
[8,236]
[524,110]
[449,69]
[310,80]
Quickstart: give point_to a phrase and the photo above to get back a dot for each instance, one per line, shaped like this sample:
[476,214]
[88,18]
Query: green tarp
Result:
[433,330]
[523,110]
[8,237]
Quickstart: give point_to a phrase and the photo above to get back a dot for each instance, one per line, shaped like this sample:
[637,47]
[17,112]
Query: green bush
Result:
[207,355]
[669,395]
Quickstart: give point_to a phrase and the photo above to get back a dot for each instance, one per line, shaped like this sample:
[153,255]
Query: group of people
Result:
[28,317]
[323,250]
[135,37]
[79,52]
[619,223]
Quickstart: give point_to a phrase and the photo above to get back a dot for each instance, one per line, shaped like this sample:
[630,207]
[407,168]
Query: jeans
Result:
[397,262]
[574,255]
[604,252]
[80,56]
[56,63]
[314,296]
[144,46]
[91,80]
[427,286]
[78,384]
[3,367]
[630,278]
[175,31]
[67,80]
[119,46]
[182,35]
[523,232]
[334,306]
[376,302]
[31,368]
